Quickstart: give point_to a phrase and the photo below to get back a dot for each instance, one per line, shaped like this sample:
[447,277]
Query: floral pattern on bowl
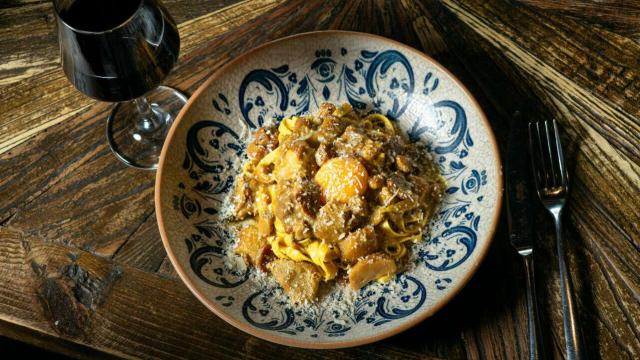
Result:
[295,75]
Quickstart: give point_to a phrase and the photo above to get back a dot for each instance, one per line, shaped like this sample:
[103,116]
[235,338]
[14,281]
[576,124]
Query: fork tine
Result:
[543,164]
[560,154]
[552,164]
[533,157]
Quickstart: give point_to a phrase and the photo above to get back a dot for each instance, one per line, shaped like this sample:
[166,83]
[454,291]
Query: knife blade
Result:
[518,176]
[517,182]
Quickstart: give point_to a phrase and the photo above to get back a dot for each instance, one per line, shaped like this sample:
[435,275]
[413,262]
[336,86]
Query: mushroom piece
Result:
[250,245]
[358,244]
[300,280]
[331,222]
[371,267]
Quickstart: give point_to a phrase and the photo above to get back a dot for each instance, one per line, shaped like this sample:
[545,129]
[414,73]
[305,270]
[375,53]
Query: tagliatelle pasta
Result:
[333,193]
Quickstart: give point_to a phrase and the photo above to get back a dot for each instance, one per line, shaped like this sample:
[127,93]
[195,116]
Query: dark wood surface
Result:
[82,268]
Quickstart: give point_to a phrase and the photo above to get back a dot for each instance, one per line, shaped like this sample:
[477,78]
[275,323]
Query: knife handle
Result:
[535,343]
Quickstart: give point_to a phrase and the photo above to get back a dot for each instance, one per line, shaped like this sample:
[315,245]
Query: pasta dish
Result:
[333,195]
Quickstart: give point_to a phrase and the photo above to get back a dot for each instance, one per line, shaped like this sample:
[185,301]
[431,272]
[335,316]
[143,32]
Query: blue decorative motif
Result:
[453,210]
[430,83]
[324,68]
[450,116]
[410,301]
[442,283]
[223,107]
[225,301]
[458,128]
[450,249]
[189,207]
[379,81]
[207,257]
[390,78]
[212,148]
[400,298]
[473,183]
[262,314]
[264,84]
[209,144]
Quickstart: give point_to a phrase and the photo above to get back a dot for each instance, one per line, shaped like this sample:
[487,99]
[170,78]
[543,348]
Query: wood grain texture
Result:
[42,345]
[605,174]
[79,247]
[622,16]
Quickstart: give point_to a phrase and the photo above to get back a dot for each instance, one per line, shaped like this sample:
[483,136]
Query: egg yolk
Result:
[341,179]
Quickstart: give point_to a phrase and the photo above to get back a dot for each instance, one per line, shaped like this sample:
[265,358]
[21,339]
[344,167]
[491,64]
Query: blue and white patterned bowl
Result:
[294,75]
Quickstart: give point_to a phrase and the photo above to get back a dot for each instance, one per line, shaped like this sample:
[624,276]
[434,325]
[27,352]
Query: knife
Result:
[519,218]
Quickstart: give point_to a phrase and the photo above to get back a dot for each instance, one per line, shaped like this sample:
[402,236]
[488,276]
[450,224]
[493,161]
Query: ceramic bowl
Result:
[293,75]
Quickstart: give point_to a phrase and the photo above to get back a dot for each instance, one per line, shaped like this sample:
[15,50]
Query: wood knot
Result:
[67,316]
[48,18]
[70,293]
[90,291]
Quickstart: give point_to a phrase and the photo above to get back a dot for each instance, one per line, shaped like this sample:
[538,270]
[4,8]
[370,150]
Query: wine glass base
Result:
[136,141]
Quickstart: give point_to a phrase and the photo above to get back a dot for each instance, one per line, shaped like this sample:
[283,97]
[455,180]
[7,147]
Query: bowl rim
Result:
[265,335]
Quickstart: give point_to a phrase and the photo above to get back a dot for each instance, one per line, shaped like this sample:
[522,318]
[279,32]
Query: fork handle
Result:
[532,310]
[572,333]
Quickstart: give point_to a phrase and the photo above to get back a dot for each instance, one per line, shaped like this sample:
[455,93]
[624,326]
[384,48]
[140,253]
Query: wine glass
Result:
[120,51]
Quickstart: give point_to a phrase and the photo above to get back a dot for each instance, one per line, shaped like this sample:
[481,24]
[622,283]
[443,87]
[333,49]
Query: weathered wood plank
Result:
[82,214]
[69,293]
[166,269]
[611,280]
[604,178]
[18,3]
[52,344]
[621,16]
[35,51]
[601,70]
[143,249]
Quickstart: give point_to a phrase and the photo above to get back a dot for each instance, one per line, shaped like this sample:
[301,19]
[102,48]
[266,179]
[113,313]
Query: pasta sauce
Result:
[333,195]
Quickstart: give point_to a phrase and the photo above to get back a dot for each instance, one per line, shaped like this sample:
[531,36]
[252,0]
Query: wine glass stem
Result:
[148,121]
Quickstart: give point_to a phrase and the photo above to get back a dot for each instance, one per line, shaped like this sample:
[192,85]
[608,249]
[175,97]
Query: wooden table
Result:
[82,268]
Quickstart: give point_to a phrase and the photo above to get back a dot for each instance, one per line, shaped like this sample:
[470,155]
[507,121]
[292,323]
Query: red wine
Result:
[98,15]
[116,50]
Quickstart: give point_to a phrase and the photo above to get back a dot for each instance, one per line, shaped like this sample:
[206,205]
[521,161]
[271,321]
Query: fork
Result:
[552,185]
